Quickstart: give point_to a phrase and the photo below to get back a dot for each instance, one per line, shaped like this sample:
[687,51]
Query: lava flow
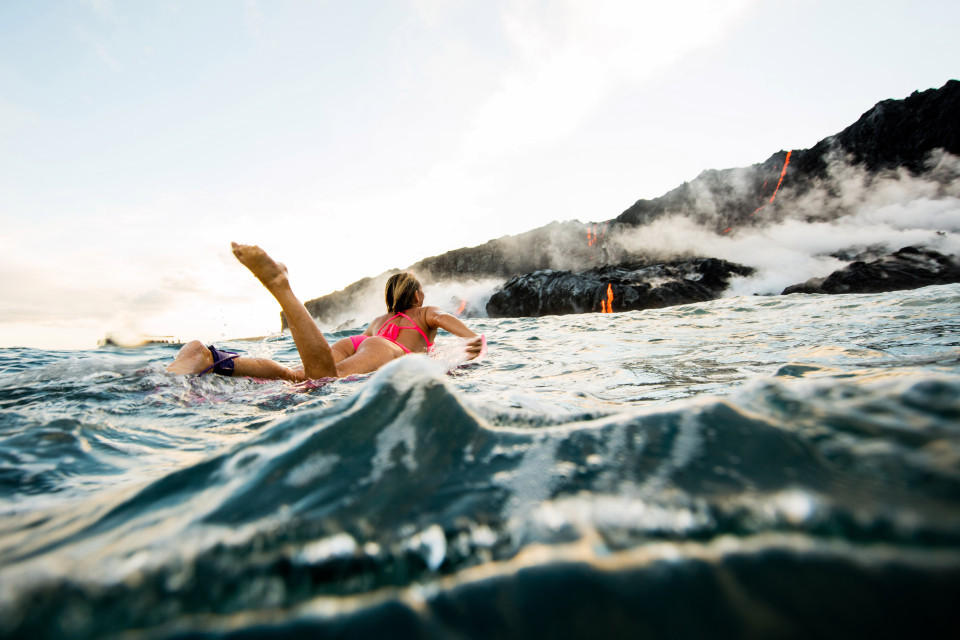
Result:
[606,306]
[593,237]
[460,309]
[783,172]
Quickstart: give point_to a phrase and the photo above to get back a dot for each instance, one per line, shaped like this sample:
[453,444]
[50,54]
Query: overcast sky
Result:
[139,138]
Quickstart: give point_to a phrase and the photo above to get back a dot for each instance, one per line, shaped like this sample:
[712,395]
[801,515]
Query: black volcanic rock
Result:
[715,198]
[901,133]
[558,245]
[908,268]
[634,286]
[894,133]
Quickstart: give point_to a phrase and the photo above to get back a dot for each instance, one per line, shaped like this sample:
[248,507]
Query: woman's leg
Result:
[267,369]
[373,353]
[195,357]
[315,353]
[342,349]
[318,358]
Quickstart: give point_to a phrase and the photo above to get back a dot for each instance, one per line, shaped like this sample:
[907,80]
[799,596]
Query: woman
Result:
[407,327]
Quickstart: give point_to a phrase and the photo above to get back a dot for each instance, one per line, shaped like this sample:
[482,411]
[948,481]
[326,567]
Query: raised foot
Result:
[268,271]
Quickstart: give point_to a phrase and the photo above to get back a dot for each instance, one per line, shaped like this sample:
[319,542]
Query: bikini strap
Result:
[408,318]
[415,326]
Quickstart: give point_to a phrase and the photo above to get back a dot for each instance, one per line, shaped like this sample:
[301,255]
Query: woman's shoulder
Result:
[429,315]
[377,322]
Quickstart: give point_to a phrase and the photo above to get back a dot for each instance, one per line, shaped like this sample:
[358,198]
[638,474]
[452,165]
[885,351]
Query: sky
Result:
[348,138]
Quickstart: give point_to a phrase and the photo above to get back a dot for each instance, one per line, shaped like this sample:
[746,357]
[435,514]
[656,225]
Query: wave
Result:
[405,483]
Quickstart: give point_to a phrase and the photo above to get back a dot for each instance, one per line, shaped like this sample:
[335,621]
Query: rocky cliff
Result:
[893,134]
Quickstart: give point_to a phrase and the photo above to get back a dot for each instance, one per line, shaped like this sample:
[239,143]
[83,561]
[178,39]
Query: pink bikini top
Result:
[391,331]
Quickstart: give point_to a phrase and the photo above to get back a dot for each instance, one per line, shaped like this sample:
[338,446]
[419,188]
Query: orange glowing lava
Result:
[606,306]
[783,172]
[595,234]
[463,305]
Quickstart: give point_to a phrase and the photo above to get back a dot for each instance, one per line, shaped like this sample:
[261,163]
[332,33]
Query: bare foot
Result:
[272,274]
[193,358]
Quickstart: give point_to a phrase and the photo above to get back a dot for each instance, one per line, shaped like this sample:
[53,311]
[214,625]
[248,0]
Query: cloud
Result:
[108,21]
[100,47]
[570,56]
[253,18]
[125,275]
[105,10]
[14,119]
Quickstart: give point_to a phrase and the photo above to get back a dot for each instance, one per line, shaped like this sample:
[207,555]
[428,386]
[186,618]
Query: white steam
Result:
[473,295]
[851,211]
[807,233]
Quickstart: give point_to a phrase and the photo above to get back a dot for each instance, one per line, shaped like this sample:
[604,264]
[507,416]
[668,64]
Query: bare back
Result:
[411,339]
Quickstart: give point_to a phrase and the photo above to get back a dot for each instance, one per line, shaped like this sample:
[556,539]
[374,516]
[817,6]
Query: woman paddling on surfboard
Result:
[407,327]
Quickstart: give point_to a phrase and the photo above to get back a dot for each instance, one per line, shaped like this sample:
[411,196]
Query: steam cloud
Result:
[810,230]
[851,212]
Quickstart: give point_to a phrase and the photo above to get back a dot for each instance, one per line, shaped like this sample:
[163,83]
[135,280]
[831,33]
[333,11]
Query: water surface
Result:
[784,465]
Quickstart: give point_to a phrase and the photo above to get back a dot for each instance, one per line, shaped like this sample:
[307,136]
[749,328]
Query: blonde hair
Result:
[401,292]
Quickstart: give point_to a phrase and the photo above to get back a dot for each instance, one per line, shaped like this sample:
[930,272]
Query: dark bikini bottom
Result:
[222,362]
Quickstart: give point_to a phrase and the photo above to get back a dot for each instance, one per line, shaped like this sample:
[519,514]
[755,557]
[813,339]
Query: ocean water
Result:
[783,466]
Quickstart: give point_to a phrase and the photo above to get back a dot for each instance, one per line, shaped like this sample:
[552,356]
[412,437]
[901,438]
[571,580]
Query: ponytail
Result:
[401,292]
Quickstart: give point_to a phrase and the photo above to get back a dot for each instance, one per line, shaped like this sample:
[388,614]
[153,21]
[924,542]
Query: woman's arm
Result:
[440,320]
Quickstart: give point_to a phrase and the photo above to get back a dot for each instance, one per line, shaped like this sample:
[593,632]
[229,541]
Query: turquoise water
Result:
[784,465]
